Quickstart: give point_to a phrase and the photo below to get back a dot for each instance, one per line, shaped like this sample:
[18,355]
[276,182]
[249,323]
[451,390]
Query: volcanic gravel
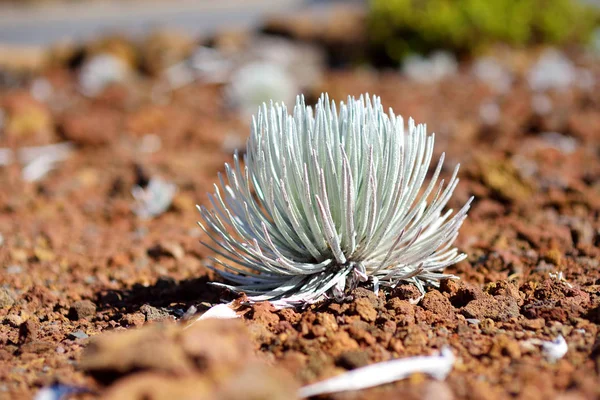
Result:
[77,262]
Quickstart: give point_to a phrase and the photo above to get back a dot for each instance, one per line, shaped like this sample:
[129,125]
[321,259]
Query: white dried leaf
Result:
[100,71]
[434,68]
[552,350]
[38,168]
[555,71]
[556,349]
[257,82]
[40,160]
[493,73]
[220,311]
[154,199]
[437,366]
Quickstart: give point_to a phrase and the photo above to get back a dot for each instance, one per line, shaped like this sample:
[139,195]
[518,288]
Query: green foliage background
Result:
[399,27]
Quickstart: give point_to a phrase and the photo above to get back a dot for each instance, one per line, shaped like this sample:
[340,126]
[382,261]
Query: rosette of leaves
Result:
[329,198]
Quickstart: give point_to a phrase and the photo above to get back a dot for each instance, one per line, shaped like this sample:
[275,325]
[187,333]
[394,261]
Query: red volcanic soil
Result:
[93,296]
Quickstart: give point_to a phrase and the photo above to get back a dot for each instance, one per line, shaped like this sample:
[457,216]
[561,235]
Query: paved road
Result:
[47,24]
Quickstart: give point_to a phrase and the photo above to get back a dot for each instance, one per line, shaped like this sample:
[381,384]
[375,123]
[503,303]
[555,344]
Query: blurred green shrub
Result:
[399,27]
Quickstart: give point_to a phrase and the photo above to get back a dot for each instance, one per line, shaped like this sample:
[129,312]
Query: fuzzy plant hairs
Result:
[329,198]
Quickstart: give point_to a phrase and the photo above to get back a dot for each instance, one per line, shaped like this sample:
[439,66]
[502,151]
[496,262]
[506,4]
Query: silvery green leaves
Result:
[328,199]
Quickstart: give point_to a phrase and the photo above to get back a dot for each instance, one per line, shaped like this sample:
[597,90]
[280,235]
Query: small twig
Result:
[437,366]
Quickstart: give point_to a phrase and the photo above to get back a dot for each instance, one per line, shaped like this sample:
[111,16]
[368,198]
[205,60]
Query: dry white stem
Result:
[437,366]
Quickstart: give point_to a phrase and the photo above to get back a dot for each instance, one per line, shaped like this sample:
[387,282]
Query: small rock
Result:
[365,309]
[135,319]
[264,313]
[341,342]
[465,293]
[7,297]
[498,308]
[416,336]
[487,326]
[406,292]
[405,312]
[361,292]
[504,179]
[435,302]
[259,333]
[289,315]
[43,254]
[28,331]
[533,324]
[78,334]
[14,320]
[448,285]
[153,313]
[82,309]
[327,321]
[36,347]
[504,288]
[505,346]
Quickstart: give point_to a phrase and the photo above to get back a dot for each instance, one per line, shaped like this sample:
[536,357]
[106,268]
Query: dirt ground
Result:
[77,262]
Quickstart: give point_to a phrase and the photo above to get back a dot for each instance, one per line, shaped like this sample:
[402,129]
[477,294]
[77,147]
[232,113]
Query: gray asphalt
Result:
[44,25]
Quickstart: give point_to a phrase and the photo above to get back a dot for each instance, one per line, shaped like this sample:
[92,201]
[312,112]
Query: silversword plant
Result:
[326,200]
